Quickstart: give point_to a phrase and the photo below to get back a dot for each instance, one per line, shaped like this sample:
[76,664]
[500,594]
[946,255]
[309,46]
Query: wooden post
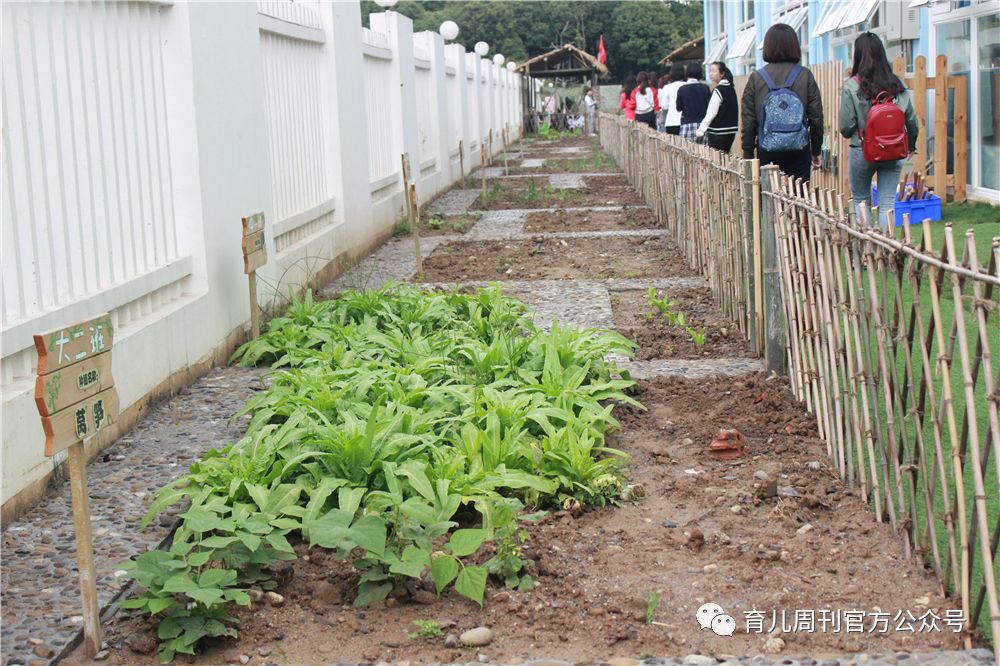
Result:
[490,153]
[961,135]
[254,309]
[941,127]
[461,160]
[254,256]
[774,318]
[76,398]
[919,89]
[77,465]
[482,169]
[415,214]
[758,259]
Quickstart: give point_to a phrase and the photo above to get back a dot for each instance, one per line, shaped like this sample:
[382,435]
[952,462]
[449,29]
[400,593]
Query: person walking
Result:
[661,95]
[692,102]
[675,78]
[782,111]
[722,116]
[644,102]
[590,107]
[626,102]
[873,84]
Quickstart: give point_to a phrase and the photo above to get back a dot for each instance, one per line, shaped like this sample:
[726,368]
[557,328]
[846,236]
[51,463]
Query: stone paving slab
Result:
[393,262]
[562,181]
[533,162]
[453,202]
[977,657]
[41,594]
[693,368]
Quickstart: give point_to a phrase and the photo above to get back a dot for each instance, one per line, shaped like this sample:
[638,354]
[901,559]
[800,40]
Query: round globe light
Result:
[512,65]
[498,59]
[385,3]
[481,49]
[449,30]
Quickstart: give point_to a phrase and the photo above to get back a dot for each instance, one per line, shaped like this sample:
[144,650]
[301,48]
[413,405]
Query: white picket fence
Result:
[137,134]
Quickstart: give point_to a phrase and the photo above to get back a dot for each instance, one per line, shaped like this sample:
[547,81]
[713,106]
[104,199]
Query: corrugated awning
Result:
[795,18]
[830,20]
[859,12]
[718,50]
[743,44]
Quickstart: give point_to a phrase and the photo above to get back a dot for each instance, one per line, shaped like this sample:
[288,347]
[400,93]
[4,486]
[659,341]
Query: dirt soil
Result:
[505,193]
[637,320]
[595,569]
[609,181]
[590,220]
[554,259]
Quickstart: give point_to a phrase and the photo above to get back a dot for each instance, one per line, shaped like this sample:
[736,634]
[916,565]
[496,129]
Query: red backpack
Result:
[885,137]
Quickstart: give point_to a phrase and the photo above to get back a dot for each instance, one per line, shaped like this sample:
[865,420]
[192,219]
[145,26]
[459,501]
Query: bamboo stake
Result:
[506,171]
[415,215]
[482,169]
[461,160]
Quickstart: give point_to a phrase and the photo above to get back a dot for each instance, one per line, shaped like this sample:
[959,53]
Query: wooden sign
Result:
[254,256]
[79,421]
[59,389]
[254,252]
[76,398]
[64,346]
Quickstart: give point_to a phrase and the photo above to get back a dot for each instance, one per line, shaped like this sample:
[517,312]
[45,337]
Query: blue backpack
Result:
[783,127]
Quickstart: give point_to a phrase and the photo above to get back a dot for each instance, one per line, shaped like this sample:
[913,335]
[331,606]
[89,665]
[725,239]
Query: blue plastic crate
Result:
[918,209]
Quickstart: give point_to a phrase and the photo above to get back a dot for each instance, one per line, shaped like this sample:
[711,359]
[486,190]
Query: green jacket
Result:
[854,112]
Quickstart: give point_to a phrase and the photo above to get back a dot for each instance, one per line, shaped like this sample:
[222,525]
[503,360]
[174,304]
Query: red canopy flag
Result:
[602,55]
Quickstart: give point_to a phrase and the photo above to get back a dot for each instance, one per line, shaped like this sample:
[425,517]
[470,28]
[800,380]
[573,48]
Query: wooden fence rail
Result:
[889,338]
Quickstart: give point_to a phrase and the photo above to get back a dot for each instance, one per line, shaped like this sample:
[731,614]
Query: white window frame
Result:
[941,15]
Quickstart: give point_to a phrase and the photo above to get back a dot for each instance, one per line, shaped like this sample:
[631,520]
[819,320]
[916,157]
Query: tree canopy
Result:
[637,33]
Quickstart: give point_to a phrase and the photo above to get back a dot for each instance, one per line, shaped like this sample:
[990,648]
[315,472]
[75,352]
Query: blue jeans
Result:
[860,173]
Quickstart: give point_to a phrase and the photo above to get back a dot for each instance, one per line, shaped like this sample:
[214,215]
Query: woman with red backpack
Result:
[876,113]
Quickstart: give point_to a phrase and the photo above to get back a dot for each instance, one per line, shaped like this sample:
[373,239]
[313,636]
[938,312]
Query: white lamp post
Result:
[481,49]
[449,30]
[498,59]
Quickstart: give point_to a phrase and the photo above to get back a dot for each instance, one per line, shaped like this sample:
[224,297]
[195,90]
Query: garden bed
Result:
[440,225]
[537,192]
[595,569]
[554,259]
[646,325]
[628,219]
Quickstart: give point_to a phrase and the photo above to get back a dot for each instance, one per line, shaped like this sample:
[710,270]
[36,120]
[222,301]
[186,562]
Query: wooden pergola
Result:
[567,61]
[693,51]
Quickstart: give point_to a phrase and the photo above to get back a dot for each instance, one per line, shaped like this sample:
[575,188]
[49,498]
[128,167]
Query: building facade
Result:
[967,31]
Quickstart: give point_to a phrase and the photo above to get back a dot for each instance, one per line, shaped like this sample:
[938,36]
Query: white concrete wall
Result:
[136,135]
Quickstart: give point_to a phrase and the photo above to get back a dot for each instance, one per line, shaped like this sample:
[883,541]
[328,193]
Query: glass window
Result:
[955,41]
[750,9]
[988,39]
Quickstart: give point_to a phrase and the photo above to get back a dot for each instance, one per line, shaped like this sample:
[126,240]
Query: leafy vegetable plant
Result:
[404,431]
[666,306]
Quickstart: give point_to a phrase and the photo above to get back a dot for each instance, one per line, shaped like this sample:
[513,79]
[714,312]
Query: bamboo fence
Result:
[888,338]
[874,320]
[701,196]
